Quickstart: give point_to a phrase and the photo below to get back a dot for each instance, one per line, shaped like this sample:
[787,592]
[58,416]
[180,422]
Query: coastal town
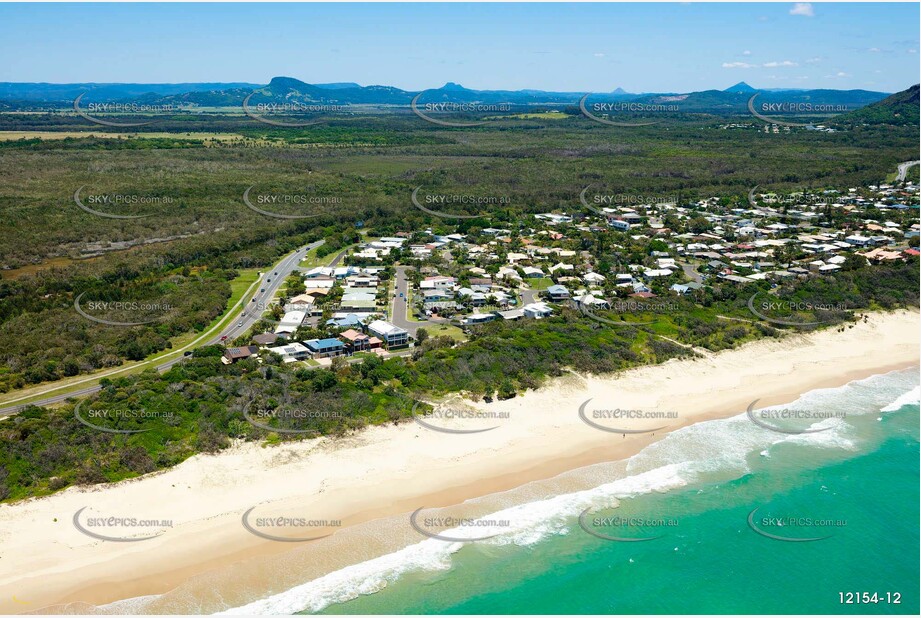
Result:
[393,291]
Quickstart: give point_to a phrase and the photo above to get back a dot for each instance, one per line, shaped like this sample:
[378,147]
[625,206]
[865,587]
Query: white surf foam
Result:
[912,397]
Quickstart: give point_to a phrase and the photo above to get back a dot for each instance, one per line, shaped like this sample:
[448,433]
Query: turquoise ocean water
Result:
[856,483]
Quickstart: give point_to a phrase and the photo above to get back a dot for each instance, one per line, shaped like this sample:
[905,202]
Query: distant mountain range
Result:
[291,90]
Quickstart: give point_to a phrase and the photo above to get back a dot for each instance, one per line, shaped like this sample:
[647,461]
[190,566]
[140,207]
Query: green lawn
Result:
[539,284]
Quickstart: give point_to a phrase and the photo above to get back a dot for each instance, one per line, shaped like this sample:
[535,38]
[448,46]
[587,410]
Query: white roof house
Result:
[532,271]
[537,310]
[319,271]
[291,352]
[290,322]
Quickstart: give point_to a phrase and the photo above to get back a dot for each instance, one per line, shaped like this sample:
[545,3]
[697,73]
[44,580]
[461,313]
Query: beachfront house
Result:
[557,293]
[232,355]
[393,336]
[291,352]
[537,310]
[324,348]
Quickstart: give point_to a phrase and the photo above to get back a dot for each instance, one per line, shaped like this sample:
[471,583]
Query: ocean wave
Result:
[911,398]
[676,461]
[682,457]
[529,523]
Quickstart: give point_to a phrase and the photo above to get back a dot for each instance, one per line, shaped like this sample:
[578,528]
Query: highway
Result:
[903,169]
[265,291]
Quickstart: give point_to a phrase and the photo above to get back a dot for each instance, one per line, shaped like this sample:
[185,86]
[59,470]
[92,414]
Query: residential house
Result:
[532,272]
[393,336]
[557,293]
[356,341]
[537,310]
[291,321]
[291,352]
[232,355]
[324,348]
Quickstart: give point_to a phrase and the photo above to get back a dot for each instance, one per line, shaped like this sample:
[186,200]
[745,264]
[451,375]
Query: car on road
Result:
[240,323]
[187,353]
[262,290]
[224,338]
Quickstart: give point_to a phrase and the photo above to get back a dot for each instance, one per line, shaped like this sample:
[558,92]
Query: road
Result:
[232,329]
[903,169]
[528,296]
[339,257]
[690,271]
[270,283]
[398,305]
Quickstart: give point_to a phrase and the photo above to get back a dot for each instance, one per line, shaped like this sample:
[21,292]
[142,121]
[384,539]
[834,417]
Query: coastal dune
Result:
[350,489]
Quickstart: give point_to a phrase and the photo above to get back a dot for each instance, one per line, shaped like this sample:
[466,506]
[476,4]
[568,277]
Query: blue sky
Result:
[565,47]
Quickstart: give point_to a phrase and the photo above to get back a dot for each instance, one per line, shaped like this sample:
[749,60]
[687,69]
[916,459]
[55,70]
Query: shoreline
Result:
[387,472]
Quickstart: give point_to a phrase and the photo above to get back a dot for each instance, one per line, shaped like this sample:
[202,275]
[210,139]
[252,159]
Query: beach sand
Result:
[385,473]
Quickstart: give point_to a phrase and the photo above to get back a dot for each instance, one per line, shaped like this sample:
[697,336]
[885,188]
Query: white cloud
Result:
[802,8]
[874,50]
[838,75]
[746,53]
[814,60]
[912,51]
[767,65]
[599,55]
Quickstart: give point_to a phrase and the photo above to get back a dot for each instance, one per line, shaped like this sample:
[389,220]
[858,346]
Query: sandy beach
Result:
[388,472]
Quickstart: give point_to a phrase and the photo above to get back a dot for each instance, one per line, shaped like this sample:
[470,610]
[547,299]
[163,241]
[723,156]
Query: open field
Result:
[6,136]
